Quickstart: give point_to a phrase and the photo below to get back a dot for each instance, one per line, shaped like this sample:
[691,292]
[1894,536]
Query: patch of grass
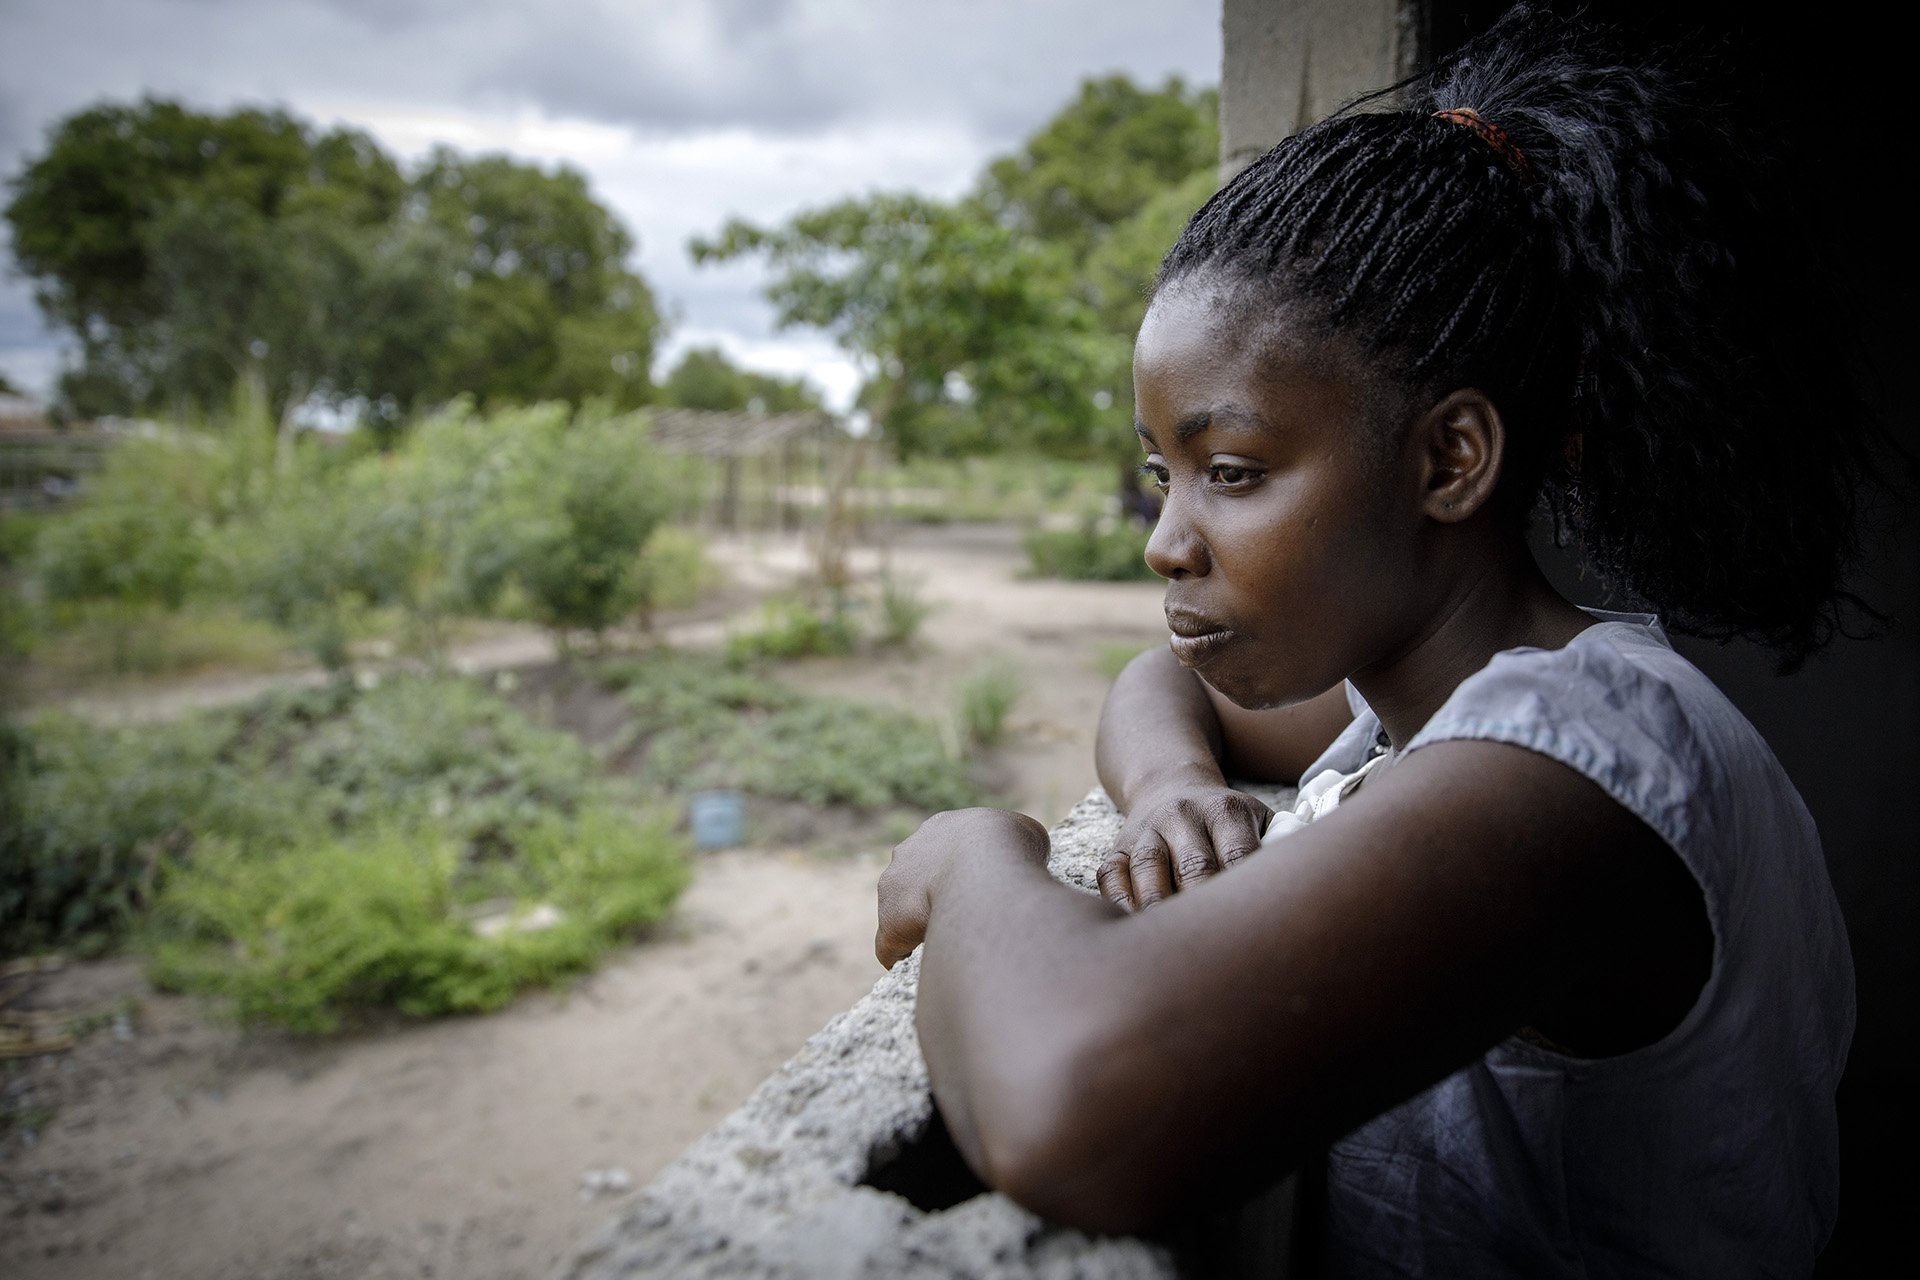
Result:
[1095,551]
[704,723]
[986,699]
[1112,658]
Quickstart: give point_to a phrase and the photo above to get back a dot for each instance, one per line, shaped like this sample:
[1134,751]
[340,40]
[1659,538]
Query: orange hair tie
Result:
[1491,134]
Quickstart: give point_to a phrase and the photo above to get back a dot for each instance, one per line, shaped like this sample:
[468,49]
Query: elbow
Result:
[1058,1142]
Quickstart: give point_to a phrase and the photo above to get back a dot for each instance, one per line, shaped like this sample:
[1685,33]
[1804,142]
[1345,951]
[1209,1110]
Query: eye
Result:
[1156,474]
[1227,475]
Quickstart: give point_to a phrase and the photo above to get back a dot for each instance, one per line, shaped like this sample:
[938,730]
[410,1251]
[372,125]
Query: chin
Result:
[1246,696]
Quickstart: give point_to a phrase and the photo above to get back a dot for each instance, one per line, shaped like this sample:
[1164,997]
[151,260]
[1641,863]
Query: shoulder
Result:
[1619,706]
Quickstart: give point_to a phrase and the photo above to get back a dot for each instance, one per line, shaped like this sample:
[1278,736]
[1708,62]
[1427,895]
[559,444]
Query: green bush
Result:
[307,937]
[986,699]
[324,848]
[1095,551]
[705,723]
[675,569]
[792,628]
[903,607]
[94,813]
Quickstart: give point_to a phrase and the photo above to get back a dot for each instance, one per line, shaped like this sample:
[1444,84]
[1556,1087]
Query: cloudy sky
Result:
[681,112]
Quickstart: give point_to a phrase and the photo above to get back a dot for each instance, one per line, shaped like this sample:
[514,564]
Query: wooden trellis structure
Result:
[772,467]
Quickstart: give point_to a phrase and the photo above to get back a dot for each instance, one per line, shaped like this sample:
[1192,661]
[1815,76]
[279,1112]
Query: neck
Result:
[1503,603]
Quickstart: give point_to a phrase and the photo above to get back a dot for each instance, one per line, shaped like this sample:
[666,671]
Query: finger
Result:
[1116,885]
[1151,867]
[1190,851]
[1237,827]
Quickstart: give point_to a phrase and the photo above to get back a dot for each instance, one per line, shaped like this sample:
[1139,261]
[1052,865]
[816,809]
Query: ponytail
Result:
[1588,239]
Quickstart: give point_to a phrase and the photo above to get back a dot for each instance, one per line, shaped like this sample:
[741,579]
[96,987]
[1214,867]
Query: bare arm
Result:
[1103,1069]
[1165,746]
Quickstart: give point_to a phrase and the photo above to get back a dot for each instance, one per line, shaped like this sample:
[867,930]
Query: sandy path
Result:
[182,1148]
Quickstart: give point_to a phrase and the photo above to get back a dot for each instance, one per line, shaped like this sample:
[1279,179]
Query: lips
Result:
[1196,639]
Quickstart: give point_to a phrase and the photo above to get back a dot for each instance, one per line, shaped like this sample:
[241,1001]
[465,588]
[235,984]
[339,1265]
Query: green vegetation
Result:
[528,513]
[793,628]
[1003,320]
[1096,550]
[326,850]
[189,254]
[704,722]
[903,608]
[986,699]
[399,918]
[706,379]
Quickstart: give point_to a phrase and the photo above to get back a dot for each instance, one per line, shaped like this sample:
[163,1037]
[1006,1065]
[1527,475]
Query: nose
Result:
[1176,550]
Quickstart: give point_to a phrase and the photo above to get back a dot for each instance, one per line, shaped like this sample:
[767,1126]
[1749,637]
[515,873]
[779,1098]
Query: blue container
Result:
[718,818]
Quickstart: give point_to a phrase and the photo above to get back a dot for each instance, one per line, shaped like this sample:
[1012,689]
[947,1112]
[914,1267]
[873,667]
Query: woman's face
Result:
[1290,538]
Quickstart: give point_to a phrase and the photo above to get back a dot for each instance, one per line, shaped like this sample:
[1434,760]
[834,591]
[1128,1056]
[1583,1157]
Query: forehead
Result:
[1203,350]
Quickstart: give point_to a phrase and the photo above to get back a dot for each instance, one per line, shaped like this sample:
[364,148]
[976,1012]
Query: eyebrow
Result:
[1193,424]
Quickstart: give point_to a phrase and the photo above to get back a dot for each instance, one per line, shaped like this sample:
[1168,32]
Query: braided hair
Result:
[1584,238]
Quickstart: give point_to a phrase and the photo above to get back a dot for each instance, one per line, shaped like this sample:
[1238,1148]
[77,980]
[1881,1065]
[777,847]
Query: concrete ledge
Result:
[838,1166]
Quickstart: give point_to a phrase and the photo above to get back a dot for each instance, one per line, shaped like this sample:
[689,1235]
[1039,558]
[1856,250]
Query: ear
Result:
[1463,442]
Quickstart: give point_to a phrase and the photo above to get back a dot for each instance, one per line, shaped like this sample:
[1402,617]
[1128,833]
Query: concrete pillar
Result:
[1288,63]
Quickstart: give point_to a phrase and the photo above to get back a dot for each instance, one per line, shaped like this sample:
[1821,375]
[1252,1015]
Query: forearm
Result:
[1001,1014]
[1157,726]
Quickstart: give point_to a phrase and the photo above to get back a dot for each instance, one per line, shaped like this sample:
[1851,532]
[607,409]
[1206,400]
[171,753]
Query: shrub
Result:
[93,813]
[583,516]
[1094,551]
[675,569]
[705,723]
[903,607]
[323,848]
[792,628]
[307,937]
[986,699]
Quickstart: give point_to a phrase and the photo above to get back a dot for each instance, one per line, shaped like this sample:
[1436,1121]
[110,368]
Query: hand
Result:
[1178,837]
[924,859]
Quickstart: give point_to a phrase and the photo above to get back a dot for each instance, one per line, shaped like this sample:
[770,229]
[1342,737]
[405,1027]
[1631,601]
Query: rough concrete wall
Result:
[1288,63]
[780,1189]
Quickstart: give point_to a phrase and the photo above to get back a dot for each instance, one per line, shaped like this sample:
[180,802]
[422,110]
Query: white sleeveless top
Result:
[1712,1152]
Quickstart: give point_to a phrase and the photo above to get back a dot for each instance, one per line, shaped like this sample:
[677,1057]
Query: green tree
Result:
[1004,320]
[179,247]
[706,379]
[545,305]
[956,314]
[190,252]
[1109,152]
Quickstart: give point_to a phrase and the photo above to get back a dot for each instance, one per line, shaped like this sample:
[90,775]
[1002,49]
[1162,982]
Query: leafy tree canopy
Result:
[1006,319]
[1107,154]
[188,252]
[706,379]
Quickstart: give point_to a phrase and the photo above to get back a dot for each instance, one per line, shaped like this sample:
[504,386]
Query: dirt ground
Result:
[171,1145]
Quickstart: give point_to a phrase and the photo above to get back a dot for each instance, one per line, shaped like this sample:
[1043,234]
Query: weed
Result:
[705,723]
[1096,551]
[307,937]
[791,628]
[986,699]
[903,607]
